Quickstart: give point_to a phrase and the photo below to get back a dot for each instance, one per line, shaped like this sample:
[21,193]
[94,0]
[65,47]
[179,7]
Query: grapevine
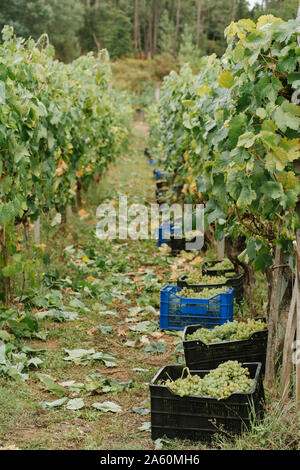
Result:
[59,127]
[230,135]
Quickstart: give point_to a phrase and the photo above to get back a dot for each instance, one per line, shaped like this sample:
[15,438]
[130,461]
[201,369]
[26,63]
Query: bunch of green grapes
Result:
[230,331]
[225,264]
[199,278]
[205,293]
[229,377]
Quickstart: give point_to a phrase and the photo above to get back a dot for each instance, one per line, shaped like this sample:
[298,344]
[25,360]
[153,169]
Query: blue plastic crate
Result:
[164,230]
[159,174]
[176,312]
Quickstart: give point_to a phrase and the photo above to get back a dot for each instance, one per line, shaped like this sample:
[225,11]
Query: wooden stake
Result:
[287,347]
[37,231]
[297,344]
[221,249]
[297,284]
[272,321]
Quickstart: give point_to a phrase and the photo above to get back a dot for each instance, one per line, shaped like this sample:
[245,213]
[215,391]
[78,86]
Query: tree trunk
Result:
[178,14]
[136,26]
[199,11]
[172,13]
[149,32]
[233,11]
[155,26]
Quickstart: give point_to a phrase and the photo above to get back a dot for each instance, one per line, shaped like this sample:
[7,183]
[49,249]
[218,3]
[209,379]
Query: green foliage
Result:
[60,126]
[27,18]
[230,134]
[166,34]
[63,30]
[188,51]
[107,27]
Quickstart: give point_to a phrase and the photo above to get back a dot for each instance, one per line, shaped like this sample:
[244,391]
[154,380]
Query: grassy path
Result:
[112,287]
[98,338]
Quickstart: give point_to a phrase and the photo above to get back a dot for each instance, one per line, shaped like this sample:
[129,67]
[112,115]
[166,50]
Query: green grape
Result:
[230,331]
[205,293]
[199,278]
[229,377]
[225,264]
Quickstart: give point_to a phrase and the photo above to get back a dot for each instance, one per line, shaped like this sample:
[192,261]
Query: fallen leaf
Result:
[121,331]
[107,406]
[11,447]
[75,404]
[145,340]
[83,213]
[197,261]
[157,334]
[174,276]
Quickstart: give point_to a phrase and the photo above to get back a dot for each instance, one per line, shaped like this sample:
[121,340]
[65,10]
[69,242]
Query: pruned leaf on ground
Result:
[32,351]
[159,443]
[145,340]
[104,385]
[104,330]
[24,326]
[108,312]
[107,406]
[179,348]
[35,361]
[75,404]
[50,385]
[5,336]
[146,426]
[54,404]
[57,315]
[79,356]
[131,344]
[156,348]
[140,410]
[75,303]
[133,311]
[147,326]
[84,356]
[13,363]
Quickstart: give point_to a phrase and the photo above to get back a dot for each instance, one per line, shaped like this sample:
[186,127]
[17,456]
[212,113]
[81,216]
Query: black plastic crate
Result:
[199,355]
[161,184]
[236,281]
[160,195]
[177,244]
[199,418]
[208,269]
